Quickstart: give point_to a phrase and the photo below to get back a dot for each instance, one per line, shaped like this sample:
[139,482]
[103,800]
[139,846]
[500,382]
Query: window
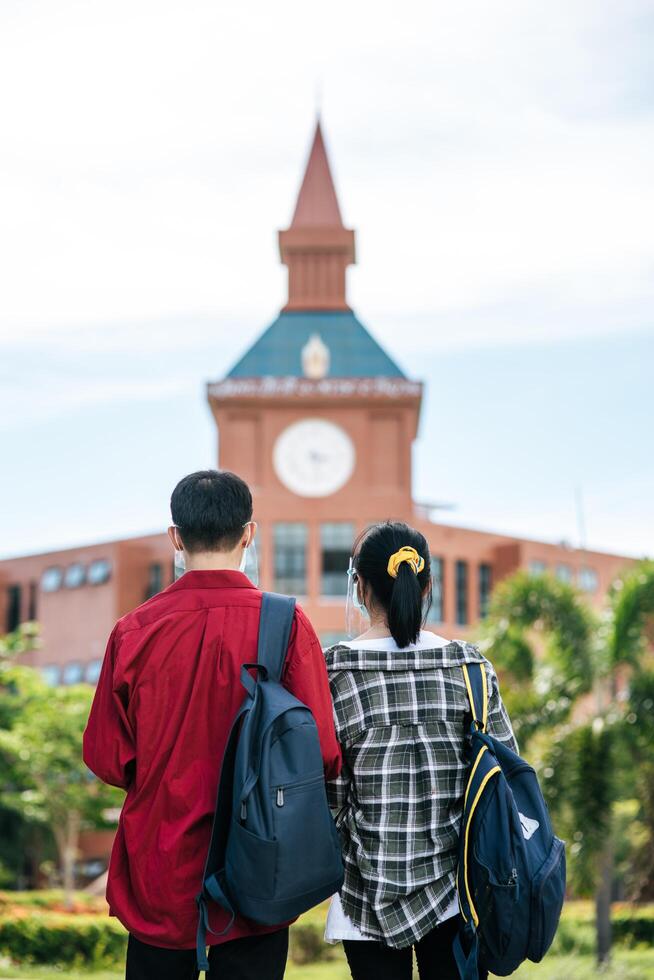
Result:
[14,596]
[75,575]
[155,579]
[99,571]
[33,602]
[588,579]
[485,586]
[51,674]
[51,579]
[72,673]
[462,593]
[435,614]
[563,572]
[336,544]
[93,669]
[537,567]
[290,559]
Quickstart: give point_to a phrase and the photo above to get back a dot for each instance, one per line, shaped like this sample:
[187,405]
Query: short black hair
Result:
[210,508]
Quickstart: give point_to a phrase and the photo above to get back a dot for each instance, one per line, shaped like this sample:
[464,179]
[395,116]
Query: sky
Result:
[496,161]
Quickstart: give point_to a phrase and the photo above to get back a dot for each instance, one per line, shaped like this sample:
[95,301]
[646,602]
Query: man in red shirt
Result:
[167,695]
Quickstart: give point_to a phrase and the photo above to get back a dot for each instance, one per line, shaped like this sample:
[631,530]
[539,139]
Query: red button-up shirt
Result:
[168,692]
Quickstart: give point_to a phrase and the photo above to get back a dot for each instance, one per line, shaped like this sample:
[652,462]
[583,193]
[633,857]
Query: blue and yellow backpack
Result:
[511,873]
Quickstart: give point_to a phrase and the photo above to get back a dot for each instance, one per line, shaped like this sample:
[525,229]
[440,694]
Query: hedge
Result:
[96,940]
[632,926]
[71,940]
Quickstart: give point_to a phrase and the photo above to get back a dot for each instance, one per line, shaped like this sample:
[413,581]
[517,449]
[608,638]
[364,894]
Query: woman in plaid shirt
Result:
[401,712]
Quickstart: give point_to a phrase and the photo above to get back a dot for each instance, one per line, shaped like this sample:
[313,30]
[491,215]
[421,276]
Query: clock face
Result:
[314,457]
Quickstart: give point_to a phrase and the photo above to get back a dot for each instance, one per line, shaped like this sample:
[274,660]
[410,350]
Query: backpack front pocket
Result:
[495,903]
[251,864]
[309,845]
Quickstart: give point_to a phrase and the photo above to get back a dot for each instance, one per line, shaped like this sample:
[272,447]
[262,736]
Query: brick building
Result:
[320,421]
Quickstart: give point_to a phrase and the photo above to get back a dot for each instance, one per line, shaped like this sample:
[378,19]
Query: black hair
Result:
[401,598]
[210,508]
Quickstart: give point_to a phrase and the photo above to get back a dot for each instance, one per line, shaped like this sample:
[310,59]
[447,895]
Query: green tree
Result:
[41,743]
[637,737]
[563,665]
[20,841]
[539,634]
[632,603]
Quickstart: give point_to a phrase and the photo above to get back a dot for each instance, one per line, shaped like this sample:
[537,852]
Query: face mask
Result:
[180,564]
[356,614]
[356,601]
[249,564]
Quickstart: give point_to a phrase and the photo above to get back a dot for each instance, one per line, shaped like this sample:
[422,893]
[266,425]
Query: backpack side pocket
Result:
[547,896]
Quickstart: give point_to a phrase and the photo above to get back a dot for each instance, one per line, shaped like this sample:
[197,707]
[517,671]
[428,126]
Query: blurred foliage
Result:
[539,635]
[632,604]
[580,690]
[39,935]
[44,749]
[636,773]
[47,791]
[58,938]
[18,841]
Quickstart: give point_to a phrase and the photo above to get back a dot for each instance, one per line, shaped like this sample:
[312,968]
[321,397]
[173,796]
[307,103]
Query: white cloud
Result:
[151,150]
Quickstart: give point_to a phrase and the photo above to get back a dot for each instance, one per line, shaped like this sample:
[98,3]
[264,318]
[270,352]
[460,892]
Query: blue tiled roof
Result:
[353,352]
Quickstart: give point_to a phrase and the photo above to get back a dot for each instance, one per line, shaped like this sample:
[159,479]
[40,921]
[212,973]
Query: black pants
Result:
[250,958]
[376,961]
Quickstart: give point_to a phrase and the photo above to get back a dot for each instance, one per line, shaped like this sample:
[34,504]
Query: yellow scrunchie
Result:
[408,554]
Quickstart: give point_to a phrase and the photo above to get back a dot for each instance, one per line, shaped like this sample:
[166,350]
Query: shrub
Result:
[307,944]
[79,940]
[632,926]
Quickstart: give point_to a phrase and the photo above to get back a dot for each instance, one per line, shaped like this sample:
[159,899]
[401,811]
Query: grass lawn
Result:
[626,965]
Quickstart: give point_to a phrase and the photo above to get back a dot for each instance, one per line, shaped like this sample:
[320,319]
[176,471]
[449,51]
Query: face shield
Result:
[356,615]
[249,562]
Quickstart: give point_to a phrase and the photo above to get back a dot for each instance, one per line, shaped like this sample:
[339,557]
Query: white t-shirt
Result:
[339,926]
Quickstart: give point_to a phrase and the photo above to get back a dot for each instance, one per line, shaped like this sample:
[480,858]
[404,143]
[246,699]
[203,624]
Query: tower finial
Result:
[317,248]
[319,92]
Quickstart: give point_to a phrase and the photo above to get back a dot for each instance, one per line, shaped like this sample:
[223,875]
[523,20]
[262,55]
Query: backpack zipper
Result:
[281,791]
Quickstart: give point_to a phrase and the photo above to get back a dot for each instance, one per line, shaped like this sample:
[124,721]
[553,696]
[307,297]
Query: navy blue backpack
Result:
[511,874]
[274,850]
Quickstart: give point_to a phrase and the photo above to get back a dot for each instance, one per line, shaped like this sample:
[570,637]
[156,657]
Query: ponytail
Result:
[405,608]
[398,586]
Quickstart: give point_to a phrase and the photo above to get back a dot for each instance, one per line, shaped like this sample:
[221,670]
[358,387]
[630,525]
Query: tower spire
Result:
[317,248]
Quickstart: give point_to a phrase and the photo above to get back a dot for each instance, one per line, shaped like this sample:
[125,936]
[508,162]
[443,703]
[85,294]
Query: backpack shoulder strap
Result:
[477,686]
[277,613]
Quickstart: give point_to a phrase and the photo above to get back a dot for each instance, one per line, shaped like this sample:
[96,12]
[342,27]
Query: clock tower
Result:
[315,416]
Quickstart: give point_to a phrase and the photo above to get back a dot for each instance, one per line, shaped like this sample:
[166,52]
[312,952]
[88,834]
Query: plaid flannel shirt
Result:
[401,718]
